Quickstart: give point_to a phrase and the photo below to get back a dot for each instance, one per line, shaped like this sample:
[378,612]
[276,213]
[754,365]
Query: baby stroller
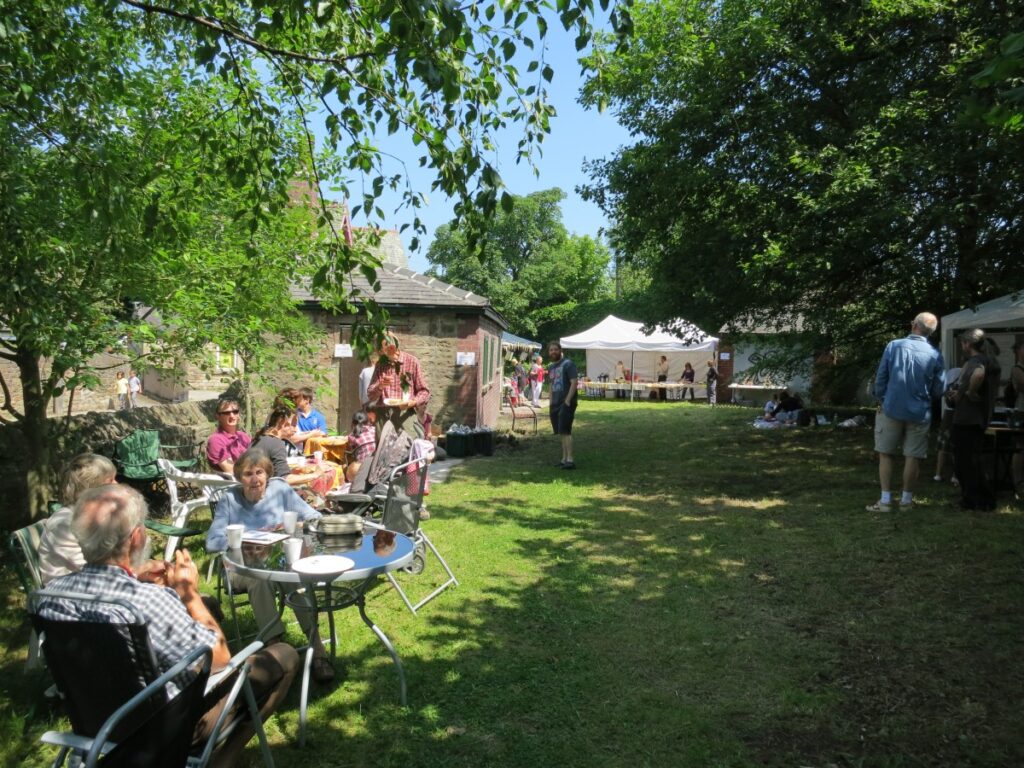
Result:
[388,492]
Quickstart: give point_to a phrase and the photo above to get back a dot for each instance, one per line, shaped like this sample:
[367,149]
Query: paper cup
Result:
[289,519]
[292,550]
[234,533]
[318,456]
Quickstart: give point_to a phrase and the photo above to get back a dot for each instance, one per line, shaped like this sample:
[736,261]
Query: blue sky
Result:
[576,135]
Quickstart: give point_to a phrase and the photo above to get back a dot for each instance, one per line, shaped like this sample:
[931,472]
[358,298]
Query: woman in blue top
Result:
[259,504]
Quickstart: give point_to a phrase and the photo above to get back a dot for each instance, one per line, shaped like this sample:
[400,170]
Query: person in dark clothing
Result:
[974,398]
[712,383]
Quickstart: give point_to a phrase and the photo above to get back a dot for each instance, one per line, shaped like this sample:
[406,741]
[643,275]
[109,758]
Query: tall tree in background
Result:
[812,158]
[128,127]
[534,272]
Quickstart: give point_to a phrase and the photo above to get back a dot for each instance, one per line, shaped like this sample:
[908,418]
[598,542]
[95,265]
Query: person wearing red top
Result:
[398,391]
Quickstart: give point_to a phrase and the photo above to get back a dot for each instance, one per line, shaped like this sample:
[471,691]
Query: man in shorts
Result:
[909,377]
[563,377]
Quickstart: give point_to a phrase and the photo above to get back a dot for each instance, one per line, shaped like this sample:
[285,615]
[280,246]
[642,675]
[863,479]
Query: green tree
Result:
[811,159]
[129,128]
[525,261]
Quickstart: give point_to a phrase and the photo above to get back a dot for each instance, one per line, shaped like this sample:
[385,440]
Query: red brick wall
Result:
[725,370]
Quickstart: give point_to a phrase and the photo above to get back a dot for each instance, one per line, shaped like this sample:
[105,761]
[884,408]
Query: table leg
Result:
[307,667]
[361,602]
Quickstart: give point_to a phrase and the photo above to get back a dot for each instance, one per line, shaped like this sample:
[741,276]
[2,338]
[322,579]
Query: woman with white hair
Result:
[59,551]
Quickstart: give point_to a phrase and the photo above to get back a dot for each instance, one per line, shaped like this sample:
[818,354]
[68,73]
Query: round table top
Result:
[371,552]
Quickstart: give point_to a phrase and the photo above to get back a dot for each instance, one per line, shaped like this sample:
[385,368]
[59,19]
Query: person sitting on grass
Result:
[789,408]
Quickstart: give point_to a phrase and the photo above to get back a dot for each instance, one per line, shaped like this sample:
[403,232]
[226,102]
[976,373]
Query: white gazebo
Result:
[614,340]
[1001,318]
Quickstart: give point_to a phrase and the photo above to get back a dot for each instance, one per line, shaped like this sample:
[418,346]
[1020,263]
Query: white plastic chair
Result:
[209,486]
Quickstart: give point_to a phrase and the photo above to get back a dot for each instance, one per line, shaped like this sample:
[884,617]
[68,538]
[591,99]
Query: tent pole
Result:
[632,374]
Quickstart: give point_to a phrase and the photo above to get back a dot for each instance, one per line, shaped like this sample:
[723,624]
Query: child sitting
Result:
[362,442]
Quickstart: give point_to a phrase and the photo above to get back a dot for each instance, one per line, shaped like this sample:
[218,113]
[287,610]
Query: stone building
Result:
[455,334]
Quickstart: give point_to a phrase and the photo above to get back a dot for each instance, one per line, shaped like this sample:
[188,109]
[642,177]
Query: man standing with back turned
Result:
[909,377]
[563,377]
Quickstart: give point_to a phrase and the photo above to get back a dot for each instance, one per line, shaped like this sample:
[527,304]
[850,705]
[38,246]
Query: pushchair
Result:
[388,493]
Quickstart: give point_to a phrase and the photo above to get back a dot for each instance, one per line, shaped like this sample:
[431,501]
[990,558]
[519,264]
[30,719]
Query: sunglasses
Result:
[227,413]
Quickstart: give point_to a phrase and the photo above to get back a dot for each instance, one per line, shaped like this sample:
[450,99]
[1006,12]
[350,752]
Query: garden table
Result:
[331,586]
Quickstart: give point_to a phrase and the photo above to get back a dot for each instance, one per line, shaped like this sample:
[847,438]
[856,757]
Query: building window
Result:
[225,360]
[486,361]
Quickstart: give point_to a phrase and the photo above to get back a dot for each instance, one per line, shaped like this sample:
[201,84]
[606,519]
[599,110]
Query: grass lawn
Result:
[697,593]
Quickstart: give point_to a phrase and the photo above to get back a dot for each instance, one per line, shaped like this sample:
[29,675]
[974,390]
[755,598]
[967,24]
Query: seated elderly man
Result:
[108,523]
[229,442]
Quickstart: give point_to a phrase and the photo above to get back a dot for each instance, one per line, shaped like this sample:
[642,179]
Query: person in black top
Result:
[712,383]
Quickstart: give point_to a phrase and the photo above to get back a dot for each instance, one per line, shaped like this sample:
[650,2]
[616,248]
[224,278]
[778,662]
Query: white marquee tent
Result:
[614,339]
[1002,318]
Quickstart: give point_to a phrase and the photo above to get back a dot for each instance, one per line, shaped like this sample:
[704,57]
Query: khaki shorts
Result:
[890,434]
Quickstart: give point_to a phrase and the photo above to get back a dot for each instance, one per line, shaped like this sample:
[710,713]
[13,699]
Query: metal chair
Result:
[401,513]
[23,545]
[208,486]
[99,653]
[524,412]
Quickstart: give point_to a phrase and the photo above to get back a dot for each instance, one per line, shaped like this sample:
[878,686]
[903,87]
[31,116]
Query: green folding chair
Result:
[136,456]
[24,548]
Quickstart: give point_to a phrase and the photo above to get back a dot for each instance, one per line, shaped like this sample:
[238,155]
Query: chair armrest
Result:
[233,665]
[72,741]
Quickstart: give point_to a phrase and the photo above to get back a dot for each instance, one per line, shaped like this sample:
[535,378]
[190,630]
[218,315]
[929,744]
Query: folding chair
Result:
[99,653]
[136,456]
[163,737]
[401,513]
[24,548]
[524,412]
[208,486]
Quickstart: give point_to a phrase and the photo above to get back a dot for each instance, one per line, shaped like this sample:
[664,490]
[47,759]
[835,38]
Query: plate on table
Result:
[393,401]
[323,565]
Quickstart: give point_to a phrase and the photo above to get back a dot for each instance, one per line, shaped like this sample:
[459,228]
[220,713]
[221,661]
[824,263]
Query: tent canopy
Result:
[1005,314]
[616,334]
[614,340]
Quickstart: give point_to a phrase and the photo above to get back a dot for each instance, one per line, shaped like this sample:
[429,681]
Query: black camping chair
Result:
[99,653]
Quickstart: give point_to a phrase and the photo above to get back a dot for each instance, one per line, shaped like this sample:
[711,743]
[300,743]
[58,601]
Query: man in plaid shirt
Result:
[398,378]
[108,523]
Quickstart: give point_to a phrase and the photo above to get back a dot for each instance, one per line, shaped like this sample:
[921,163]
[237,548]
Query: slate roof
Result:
[402,287]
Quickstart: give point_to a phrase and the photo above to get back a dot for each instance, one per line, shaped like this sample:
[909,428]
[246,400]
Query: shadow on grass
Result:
[697,593]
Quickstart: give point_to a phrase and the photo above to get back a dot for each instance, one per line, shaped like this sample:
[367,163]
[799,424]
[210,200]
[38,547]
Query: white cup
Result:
[318,456]
[234,533]
[292,550]
[289,519]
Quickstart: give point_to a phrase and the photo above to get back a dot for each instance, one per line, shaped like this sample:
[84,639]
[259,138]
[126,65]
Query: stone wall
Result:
[435,337]
[186,424]
[100,398]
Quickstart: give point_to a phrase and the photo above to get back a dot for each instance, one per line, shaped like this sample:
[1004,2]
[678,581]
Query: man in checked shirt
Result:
[398,391]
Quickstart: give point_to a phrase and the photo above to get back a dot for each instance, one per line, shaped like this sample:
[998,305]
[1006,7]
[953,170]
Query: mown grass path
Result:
[697,593]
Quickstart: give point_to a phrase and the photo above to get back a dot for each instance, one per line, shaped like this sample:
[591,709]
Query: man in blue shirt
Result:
[909,377]
[563,377]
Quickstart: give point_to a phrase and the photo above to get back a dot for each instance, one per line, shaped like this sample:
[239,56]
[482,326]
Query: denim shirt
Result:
[909,377]
[264,514]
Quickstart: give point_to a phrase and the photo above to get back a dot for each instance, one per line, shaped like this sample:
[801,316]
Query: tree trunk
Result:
[36,430]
